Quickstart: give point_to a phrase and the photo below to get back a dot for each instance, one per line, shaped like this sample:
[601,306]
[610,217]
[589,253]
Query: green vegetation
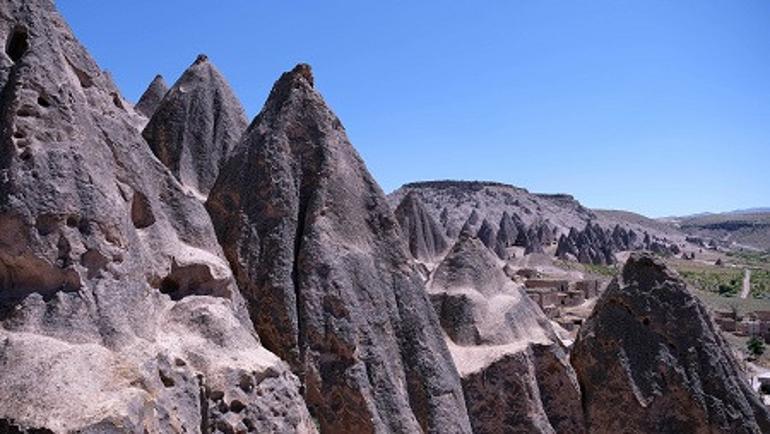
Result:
[725,282]
[750,259]
[740,305]
[760,283]
[755,346]
[608,271]
[601,270]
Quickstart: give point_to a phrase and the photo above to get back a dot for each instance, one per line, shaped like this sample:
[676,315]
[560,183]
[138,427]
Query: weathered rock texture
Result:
[649,359]
[118,312]
[422,234]
[329,283]
[196,126]
[515,373]
[533,221]
[150,99]
[598,246]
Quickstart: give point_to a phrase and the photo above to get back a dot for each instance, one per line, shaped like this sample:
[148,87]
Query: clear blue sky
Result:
[659,107]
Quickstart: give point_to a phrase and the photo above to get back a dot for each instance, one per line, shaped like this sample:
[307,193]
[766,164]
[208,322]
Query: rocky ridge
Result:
[537,220]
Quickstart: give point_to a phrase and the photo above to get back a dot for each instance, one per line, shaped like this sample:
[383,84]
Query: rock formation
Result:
[509,229]
[515,373]
[422,234]
[118,312]
[649,359]
[196,126]
[492,240]
[150,99]
[472,224]
[316,250]
[589,246]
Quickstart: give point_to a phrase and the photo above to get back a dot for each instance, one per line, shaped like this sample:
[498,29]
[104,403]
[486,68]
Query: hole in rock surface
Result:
[141,211]
[17,44]
[193,279]
[237,406]
[165,379]
[8,426]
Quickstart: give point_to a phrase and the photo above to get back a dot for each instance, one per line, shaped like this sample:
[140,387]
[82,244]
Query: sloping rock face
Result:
[515,373]
[649,359]
[196,126]
[423,235]
[95,237]
[150,99]
[330,286]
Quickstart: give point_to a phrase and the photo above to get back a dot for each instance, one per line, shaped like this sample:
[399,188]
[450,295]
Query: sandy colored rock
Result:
[515,373]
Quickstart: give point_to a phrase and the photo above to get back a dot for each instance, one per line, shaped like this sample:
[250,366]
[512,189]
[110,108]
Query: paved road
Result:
[746,284]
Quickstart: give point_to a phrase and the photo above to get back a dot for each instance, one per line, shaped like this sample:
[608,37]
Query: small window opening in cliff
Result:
[43,102]
[17,44]
[169,285]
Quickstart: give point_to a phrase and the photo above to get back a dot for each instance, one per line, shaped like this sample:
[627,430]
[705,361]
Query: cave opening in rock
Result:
[17,44]
[169,285]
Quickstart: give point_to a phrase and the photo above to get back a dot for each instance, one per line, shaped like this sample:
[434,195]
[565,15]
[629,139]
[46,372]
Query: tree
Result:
[756,346]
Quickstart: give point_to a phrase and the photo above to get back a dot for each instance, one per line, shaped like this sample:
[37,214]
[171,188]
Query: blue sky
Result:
[658,107]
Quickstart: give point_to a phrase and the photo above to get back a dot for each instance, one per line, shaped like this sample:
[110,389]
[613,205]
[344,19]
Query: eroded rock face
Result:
[196,126]
[515,373]
[150,99]
[422,234]
[649,359]
[92,227]
[331,289]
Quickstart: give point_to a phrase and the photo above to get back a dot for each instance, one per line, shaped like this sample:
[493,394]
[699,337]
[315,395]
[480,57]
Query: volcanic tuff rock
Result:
[196,126]
[451,203]
[118,312]
[150,99]
[649,359]
[515,373]
[319,256]
[597,245]
[490,200]
[423,235]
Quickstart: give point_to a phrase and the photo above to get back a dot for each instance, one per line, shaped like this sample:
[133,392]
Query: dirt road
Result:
[746,290]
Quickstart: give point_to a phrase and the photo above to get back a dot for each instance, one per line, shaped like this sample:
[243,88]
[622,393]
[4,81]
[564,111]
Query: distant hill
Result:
[748,228]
